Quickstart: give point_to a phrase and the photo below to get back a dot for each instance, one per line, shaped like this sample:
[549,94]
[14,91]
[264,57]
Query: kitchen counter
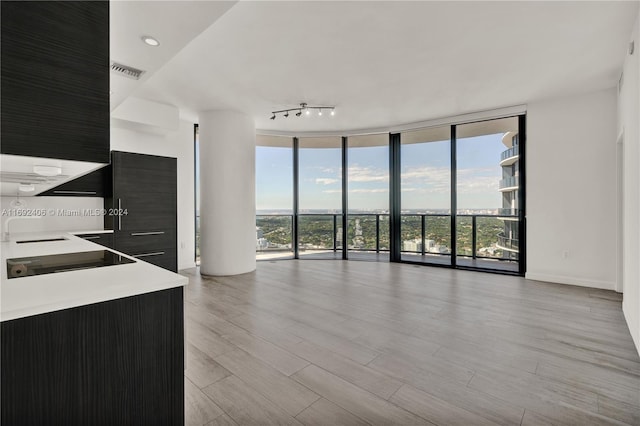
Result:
[33,295]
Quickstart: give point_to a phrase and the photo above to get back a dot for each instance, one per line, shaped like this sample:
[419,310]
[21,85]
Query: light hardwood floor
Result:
[354,343]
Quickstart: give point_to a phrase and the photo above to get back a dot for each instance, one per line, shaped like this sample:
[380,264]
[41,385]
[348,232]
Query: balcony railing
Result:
[510,153]
[510,182]
[509,244]
[478,235]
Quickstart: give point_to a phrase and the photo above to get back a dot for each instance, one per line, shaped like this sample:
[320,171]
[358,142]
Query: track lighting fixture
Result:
[303,107]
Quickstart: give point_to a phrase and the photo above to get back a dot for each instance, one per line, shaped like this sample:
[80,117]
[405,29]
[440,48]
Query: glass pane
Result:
[274,197]
[438,234]
[487,194]
[425,175]
[320,235]
[368,201]
[320,197]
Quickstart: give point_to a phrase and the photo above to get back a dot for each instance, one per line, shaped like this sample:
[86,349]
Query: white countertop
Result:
[33,295]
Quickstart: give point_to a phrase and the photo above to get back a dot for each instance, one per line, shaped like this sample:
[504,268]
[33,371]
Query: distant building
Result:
[509,187]
[358,240]
[412,245]
[261,241]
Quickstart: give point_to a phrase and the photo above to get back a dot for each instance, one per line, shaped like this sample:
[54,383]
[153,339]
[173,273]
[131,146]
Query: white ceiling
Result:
[381,63]
[173,23]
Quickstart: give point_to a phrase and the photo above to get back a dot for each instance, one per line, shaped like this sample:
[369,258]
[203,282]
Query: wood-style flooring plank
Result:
[199,409]
[362,376]
[245,405]
[352,350]
[222,420]
[434,409]
[201,369]
[275,386]
[361,403]
[280,359]
[325,413]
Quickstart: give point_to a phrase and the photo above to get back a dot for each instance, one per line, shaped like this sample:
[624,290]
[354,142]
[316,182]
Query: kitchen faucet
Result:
[5,234]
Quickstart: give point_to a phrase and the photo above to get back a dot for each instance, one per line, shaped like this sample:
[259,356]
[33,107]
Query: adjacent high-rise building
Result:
[509,187]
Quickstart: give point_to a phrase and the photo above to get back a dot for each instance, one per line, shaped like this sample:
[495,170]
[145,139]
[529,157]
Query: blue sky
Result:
[425,176]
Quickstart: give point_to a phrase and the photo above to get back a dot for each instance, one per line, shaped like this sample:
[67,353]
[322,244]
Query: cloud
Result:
[436,180]
[326,181]
[358,191]
[367,174]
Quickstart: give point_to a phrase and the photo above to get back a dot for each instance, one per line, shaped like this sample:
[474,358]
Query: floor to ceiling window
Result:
[274,197]
[449,195]
[320,232]
[368,197]
[425,185]
[487,193]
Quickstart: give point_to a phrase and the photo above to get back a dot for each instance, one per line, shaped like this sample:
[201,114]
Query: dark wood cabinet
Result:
[144,191]
[94,184]
[55,79]
[104,239]
[119,362]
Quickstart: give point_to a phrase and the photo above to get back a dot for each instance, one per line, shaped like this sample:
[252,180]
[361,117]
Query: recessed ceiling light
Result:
[150,41]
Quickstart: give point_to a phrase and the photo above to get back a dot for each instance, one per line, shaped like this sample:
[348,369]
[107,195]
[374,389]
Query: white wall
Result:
[177,144]
[58,214]
[571,190]
[629,126]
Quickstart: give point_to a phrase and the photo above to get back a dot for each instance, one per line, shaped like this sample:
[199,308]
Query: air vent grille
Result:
[126,71]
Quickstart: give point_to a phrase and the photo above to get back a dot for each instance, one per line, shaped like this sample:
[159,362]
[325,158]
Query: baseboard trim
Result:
[561,279]
[631,324]
[187,266]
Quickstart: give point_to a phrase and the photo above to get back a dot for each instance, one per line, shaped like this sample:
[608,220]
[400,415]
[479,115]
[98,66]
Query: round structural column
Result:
[227,193]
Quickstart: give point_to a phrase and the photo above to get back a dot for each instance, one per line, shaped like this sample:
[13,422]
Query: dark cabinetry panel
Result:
[55,79]
[89,185]
[136,242]
[112,363]
[165,258]
[146,186]
[104,239]
[145,190]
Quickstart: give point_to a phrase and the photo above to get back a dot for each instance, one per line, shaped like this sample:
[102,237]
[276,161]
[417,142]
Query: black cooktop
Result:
[53,263]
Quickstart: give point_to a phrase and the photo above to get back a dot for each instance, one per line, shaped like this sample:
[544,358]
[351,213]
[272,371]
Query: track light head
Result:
[273,117]
[299,113]
[286,114]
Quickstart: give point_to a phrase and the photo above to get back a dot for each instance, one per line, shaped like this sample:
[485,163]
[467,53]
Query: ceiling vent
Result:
[126,71]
